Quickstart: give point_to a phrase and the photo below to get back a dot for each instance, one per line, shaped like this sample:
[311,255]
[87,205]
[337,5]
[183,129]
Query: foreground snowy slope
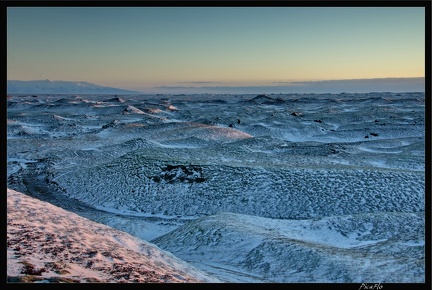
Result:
[46,243]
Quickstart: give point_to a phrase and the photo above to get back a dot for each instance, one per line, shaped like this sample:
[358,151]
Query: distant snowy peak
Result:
[60,87]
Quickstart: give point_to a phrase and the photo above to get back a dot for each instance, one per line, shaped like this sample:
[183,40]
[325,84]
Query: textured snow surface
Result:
[51,243]
[386,247]
[238,184]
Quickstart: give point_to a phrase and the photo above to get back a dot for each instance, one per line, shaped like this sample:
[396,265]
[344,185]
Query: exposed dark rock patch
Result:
[111,124]
[296,114]
[180,173]
[116,100]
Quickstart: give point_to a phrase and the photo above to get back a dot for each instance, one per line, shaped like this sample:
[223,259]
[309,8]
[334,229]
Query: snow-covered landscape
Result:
[216,187]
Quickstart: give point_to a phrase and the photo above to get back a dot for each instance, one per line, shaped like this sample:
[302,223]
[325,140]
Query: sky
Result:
[141,47]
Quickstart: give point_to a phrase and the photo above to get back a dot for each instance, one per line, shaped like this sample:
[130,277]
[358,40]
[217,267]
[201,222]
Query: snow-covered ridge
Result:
[47,243]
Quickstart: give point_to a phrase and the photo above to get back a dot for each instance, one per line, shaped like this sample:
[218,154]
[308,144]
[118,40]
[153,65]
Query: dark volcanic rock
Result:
[116,100]
[180,173]
[296,114]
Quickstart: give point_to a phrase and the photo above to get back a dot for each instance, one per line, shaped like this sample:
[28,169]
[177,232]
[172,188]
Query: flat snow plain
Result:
[248,188]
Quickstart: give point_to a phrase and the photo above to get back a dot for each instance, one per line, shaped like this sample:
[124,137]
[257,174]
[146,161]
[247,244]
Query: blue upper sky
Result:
[141,47]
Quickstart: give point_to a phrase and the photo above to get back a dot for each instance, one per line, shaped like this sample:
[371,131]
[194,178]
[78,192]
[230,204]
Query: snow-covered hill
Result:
[60,87]
[385,247]
[46,243]
[150,176]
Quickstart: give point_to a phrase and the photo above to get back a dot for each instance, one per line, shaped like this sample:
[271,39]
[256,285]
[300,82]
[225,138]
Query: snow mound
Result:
[263,99]
[46,243]
[183,130]
[59,118]
[132,110]
[153,110]
[172,108]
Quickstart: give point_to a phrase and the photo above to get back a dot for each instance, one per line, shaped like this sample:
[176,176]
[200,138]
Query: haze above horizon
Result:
[140,48]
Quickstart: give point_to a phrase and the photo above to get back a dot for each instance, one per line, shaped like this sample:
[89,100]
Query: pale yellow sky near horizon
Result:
[142,47]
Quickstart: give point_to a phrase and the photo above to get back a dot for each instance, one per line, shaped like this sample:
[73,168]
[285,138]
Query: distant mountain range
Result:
[396,85]
[416,84]
[60,87]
